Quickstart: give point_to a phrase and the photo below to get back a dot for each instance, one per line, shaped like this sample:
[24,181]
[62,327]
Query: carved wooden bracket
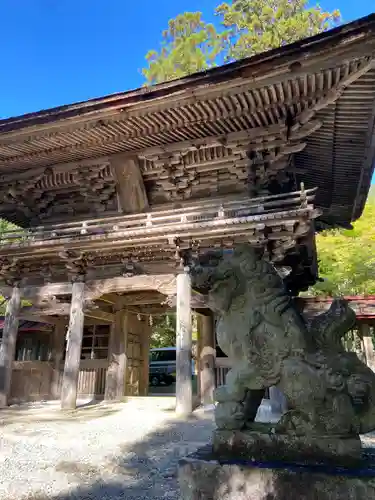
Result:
[95,187]
[175,178]
[10,270]
[76,264]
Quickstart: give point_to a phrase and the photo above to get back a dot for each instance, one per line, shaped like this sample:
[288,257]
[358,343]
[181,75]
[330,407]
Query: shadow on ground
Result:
[40,413]
[145,469]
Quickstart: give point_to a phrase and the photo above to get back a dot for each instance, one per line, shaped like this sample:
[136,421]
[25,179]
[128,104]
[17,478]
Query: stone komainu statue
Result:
[328,390]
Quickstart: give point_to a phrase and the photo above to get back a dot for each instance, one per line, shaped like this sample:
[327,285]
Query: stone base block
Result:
[264,447]
[202,477]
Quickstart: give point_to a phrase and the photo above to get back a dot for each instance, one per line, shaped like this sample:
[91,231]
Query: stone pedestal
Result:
[267,446]
[204,477]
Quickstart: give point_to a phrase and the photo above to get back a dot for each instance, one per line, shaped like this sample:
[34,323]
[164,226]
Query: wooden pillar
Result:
[184,389]
[116,373]
[8,345]
[145,352]
[58,341]
[73,348]
[206,359]
[365,332]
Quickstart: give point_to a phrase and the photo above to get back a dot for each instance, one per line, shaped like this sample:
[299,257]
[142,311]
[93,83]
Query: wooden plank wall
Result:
[33,380]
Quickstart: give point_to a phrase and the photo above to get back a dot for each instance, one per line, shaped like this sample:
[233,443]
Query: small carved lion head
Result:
[224,275]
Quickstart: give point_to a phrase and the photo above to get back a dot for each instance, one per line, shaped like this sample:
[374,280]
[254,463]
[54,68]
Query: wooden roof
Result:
[307,108]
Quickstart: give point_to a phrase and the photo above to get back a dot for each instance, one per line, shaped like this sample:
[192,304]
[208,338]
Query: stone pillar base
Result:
[203,477]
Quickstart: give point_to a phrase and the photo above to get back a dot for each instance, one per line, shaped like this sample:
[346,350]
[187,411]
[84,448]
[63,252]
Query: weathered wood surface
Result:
[39,380]
[58,344]
[164,283]
[184,390]
[8,344]
[206,359]
[33,381]
[151,226]
[145,335]
[130,185]
[63,309]
[116,373]
[91,378]
[73,349]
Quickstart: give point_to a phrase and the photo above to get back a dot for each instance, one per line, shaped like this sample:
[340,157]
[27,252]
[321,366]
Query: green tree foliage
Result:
[189,45]
[255,26]
[347,257]
[246,27]
[164,331]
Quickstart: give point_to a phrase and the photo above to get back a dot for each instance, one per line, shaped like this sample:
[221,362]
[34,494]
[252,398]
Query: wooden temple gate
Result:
[114,193]
[39,375]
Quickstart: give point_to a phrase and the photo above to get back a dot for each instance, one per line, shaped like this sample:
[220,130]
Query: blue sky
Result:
[61,51]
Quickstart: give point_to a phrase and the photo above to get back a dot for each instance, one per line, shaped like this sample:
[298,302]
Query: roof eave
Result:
[256,66]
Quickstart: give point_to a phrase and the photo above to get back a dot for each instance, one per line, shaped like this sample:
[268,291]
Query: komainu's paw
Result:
[297,423]
[230,416]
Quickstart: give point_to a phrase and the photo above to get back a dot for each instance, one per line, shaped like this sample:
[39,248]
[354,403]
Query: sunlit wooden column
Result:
[145,351]
[184,388]
[58,341]
[206,358]
[8,344]
[116,373]
[368,346]
[73,347]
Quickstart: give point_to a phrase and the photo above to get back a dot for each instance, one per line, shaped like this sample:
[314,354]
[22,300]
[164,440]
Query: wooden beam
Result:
[184,389]
[142,298]
[131,190]
[99,315]
[73,349]
[164,283]
[109,298]
[198,301]
[8,345]
[115,380]
[63,309]
[50,320]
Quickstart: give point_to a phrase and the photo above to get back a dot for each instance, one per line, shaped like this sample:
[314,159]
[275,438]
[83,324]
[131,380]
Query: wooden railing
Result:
[91,378]
[202,215]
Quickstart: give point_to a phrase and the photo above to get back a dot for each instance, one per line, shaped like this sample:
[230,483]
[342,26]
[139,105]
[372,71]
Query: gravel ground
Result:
[98,452]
